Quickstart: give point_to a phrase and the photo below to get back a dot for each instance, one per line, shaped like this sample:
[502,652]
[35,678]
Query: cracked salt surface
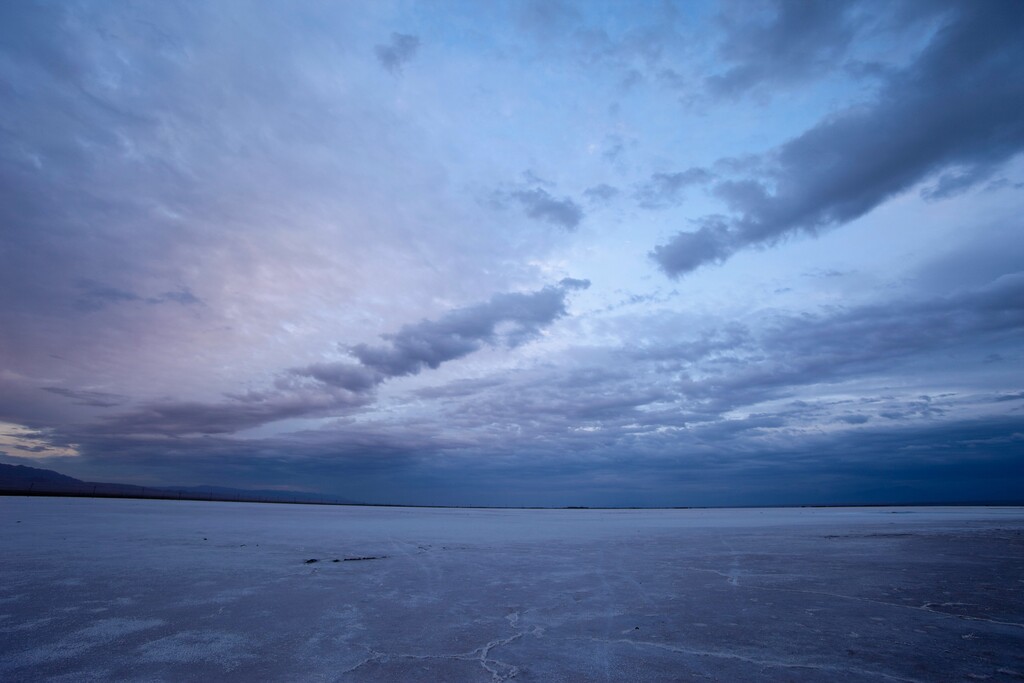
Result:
[168,590]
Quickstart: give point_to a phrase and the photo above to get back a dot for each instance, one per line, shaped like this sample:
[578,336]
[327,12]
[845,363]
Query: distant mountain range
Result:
[21,480]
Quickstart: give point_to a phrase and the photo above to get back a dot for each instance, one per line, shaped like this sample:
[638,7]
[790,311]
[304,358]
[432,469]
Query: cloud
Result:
[19,29]
[182,296]
[183,418]
[395,54]
[349,376]
[508,319]
[781,42]
[955,109]
[574,283]
[533,195]
[94,399]
[602,192]
[548,20]
[96,296]
[539,204]
[952,183]
[718,339]
[711,243]
[665,189]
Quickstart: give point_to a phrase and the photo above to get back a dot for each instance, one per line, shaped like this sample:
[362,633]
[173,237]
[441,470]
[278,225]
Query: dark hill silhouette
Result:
[23,480]
[20,474]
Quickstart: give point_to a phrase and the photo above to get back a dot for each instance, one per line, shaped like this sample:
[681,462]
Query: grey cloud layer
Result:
[952,114]
[968,460]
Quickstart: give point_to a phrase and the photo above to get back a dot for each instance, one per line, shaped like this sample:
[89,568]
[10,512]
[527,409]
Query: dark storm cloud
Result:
[967,460]
[666,189]
[395,54]
[508,320]
[955,110]
[197,460]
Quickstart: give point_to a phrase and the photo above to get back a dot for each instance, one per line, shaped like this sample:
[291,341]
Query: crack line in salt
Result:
[761,662]
[479,654]
[921,608]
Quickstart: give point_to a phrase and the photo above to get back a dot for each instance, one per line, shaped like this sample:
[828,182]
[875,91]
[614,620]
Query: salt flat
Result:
[168,590]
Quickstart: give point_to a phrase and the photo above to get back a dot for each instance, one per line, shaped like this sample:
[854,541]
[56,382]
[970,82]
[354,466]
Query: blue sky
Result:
[517,253]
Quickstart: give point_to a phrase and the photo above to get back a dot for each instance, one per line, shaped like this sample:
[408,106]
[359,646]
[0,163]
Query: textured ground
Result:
[167,590]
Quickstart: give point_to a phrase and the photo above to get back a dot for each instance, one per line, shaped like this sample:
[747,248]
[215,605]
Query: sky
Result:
[517,253]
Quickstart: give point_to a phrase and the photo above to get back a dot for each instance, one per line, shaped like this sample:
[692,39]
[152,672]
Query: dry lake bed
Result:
[169,591]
